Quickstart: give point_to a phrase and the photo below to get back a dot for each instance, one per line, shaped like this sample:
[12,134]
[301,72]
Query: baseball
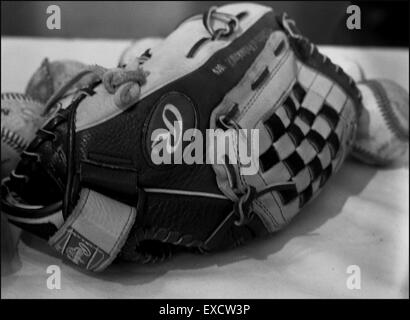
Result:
[350,67]
[21,117]
[383,129]
[51,76]
[136,49]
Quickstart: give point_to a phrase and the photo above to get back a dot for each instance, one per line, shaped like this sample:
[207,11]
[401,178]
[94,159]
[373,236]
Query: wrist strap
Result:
[95,231]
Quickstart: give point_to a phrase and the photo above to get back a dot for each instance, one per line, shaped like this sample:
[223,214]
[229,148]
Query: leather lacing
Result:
[308,49]
[122,83]
[248,194]
[150,245]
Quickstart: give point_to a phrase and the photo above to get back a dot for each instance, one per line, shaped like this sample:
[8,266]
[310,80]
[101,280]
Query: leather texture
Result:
[307,122]
[257,74]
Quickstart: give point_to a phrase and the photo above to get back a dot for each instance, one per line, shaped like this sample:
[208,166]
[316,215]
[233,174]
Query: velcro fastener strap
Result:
[95,231]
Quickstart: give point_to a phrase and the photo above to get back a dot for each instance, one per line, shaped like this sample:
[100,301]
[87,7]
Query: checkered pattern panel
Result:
[306,134]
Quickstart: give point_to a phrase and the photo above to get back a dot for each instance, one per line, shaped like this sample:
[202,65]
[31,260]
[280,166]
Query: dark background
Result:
[383,23]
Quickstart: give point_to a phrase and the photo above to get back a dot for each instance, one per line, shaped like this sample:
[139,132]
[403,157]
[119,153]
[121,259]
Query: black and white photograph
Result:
[204,150]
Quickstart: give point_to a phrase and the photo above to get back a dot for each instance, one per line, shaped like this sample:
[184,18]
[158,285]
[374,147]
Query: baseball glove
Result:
[91,183]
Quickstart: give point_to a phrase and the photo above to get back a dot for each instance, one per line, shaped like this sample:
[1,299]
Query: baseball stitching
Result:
[15,96]
[9,137]
[13,140]
[366,155]
[388,114]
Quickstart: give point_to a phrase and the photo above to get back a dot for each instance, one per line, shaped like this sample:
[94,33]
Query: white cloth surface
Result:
[361,218]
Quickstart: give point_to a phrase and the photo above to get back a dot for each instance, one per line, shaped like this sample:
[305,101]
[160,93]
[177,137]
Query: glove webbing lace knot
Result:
[124,84]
